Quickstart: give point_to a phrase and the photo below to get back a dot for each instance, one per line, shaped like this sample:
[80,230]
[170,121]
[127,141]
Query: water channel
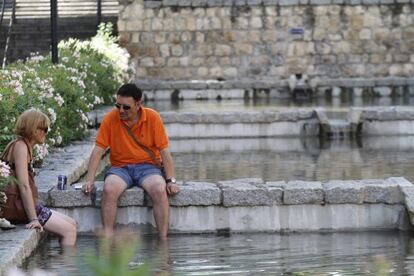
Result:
[361,253]
[357,253]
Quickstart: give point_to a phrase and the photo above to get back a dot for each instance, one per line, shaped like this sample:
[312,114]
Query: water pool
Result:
[363,253]
[293,159]
[329,103]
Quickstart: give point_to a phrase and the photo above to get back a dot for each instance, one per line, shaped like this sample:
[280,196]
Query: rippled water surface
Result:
[294,159]
[330,103]
[365,253]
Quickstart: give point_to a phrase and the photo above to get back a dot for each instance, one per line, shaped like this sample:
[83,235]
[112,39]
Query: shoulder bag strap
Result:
[7,150]
[144,147]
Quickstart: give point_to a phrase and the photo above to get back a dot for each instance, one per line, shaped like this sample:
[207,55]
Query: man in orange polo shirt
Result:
[133,163]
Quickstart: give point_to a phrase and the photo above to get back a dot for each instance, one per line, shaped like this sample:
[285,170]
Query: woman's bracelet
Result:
[34,220]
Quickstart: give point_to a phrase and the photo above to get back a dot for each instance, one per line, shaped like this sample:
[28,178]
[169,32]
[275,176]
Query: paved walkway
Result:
[16,246]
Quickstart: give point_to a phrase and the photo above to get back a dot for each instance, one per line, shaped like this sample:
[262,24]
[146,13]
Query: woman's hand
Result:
[34,224]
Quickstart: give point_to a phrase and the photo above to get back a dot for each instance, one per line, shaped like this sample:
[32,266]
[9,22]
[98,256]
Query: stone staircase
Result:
[31,28]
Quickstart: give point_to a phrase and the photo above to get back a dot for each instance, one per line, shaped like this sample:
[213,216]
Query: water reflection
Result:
[256,254]
[294,158]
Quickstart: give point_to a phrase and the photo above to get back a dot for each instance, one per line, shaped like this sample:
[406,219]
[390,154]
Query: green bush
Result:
[88,75]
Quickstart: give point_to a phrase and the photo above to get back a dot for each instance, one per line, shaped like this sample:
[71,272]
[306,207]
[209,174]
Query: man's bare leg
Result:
[114,186]
[154,185]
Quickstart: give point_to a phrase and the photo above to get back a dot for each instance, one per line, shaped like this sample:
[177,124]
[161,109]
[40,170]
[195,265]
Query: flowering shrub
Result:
[88,75]
[4,181]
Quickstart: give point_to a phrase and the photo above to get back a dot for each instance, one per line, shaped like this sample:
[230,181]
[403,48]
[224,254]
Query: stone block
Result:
[184,3]
[371,2]
[214,3]
[400,181]
[288,2]
[303,192]
[254,2]
[384,81]
[228,3]
[274,190]
[197,194]
[240,2]
[167,3]
[132,197]
[396,81]
[381,191]
[43,197]
[343,191]
[320,2]
[152,4]
[408,194]
[199,3]
[68,198]
[242,193]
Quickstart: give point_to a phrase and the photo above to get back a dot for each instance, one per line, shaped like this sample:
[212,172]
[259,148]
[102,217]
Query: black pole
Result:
[99,12]
[54,26]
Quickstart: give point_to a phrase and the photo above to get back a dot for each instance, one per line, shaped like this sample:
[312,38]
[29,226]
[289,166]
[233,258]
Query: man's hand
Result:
[172,189]
[88,187]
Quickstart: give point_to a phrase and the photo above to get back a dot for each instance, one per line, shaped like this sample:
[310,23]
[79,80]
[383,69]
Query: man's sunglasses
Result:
[125,107]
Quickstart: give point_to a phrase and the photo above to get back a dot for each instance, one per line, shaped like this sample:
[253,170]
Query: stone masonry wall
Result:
[263,39]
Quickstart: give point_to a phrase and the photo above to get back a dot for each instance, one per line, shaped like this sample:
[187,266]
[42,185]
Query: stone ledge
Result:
[251,3]
[392,113]
[159,84]
[237,117]
[254,192]
[16,245]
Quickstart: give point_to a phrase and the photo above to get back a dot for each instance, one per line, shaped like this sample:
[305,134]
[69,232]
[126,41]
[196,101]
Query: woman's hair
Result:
[29,121]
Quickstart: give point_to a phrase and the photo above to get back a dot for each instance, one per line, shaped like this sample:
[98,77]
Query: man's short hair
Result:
[130,90]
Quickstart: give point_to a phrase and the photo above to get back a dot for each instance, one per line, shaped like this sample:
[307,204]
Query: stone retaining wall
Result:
[249,205]
[261,39]
[241,124]
[383,120]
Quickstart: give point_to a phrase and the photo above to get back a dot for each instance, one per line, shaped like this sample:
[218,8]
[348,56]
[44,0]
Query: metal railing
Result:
[11,21]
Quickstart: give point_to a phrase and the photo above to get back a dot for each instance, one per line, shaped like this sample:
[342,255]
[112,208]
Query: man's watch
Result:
[171,180]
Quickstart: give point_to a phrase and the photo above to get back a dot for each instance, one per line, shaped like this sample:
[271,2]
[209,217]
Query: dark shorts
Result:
[43,214]
[134,174]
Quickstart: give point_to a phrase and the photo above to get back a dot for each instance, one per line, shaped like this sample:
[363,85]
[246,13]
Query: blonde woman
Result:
[22,207]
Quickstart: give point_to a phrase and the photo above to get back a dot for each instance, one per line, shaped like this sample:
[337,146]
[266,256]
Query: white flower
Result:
[59,100]
[84,117]
[41,151]
[17,87]
[59,140]
[97,100]
[81,84]
[36,57]
[4,169]
[52,114]
[65,59]
[52,141]
[17,75]
[1,97]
